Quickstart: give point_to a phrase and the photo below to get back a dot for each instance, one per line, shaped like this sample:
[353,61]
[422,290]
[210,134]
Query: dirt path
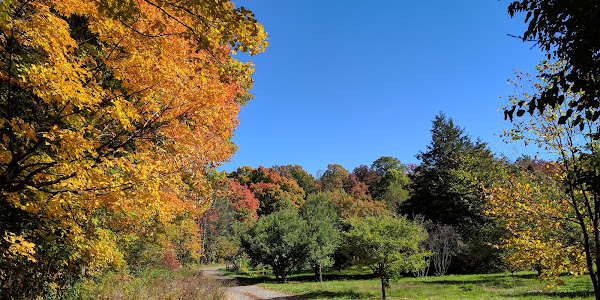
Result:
[238,291]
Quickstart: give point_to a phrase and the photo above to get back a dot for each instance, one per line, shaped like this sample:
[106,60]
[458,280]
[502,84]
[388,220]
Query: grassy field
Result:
[359,284]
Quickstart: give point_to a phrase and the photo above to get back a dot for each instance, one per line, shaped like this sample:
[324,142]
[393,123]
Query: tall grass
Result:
[152,283]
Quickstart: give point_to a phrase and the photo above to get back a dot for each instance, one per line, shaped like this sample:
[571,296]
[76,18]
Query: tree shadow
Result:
[506,282]
[484,279]
[250,280]
[554,294]
[330,295]
[330,277]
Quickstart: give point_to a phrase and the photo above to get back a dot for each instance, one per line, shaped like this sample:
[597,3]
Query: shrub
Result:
[151,283]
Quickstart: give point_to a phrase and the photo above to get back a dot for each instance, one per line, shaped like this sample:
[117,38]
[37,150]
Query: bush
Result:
[240,263]
[280,240]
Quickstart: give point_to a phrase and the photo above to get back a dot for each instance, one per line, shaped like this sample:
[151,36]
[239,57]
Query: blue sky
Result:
[349,81]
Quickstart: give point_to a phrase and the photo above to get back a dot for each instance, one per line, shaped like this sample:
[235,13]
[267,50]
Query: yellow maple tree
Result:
[555,222]
[535,214]
[111,113]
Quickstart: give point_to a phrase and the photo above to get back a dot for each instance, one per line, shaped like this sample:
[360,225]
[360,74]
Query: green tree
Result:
[319,211]
[333,179]
[447,189]
[446,186]
[393,183]
[281,240]
[305,181]
[387,244]
[385,163]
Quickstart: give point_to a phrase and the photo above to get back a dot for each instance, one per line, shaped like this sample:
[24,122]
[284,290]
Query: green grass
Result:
[359,284]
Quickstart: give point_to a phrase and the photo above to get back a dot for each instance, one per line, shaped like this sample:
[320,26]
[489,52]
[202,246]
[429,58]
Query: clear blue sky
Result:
[349,81]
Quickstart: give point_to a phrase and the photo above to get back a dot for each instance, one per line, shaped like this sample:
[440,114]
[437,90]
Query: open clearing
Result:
[356,284]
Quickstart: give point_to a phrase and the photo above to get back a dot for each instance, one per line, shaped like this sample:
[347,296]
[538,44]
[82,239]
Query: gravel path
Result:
[238,291]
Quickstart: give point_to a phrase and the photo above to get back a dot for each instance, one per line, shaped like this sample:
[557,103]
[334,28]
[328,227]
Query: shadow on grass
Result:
[249,280]
[243,280]
[506,282]
[331,277]
[330,295]
[492,280]
[554,294]
[482,278]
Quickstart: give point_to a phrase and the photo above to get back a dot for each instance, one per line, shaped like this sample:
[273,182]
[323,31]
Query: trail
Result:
[239,291]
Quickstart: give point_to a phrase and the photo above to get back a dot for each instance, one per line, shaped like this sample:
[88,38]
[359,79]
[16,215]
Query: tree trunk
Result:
[538,268]
[595,283]
[382,287]
[320,272]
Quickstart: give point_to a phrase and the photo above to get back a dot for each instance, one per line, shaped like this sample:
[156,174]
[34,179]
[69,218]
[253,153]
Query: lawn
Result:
[359,284]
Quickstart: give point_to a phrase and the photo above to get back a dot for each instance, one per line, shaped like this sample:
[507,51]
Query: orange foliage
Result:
[350,207]
[272,190]
[112,112]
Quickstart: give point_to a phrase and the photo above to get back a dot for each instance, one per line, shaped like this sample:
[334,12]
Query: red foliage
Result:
[360,191]
[243,201]
[210,217]
[271,197]
[411,168]
[169,260]
[540,166]
[271,190]
[366,175]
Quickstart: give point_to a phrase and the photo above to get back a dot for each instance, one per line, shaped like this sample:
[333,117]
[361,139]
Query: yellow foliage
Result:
[112,112]
[555,223]
[19,247]
[535,214]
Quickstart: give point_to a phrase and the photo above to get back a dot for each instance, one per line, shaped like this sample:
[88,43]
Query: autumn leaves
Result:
[110,114]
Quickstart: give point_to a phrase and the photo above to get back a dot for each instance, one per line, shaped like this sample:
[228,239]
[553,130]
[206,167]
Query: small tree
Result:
[443,245]
[281,240]
[321,217]
[388,244]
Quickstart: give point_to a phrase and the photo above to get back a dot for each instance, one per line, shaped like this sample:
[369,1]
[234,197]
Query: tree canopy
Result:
[569,32]
[561,210]
[111,115]
[446,186]
[388,244]
[280,240]
[322,220]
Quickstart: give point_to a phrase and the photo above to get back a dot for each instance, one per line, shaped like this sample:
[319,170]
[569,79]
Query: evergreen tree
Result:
[447,189]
